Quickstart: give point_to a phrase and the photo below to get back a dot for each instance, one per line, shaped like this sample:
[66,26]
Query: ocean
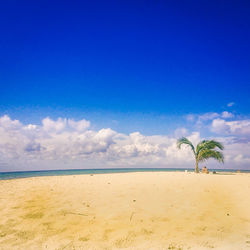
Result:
[27,174]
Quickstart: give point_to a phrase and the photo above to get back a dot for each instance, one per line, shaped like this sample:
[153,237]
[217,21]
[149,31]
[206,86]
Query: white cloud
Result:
[54,126]
[72,142]
[190,117]
[66,143]
[239,128]
[208,116]
[179,132]
[203,120]
[226,114]
[230,104]
[219,126]
[80,126]
[60,125]
[7,123]
[31,147]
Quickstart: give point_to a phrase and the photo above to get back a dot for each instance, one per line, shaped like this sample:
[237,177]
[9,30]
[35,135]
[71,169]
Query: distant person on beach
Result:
[205,170]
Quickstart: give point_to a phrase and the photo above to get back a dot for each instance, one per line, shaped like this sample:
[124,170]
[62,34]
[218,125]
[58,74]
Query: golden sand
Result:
[159,210]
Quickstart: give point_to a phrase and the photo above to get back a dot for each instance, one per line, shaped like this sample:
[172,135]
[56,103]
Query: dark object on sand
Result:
[214,172]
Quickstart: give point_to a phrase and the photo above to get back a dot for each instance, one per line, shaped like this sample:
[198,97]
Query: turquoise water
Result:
[26,174]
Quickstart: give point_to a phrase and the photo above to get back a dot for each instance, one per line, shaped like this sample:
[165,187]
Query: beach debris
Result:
[134,200]
[173,246]
[214,172]
[76,213]
[131,216]
[66,212]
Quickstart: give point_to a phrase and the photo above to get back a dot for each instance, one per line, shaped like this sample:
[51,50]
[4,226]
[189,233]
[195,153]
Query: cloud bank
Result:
[67,143]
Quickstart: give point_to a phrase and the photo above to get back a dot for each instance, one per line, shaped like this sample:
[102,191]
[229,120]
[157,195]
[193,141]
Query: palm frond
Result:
[207,145]
[185,141]
[200,146]
[209,153]
[212,144]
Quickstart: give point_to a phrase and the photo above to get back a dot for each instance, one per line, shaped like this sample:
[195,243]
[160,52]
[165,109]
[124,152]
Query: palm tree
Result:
[204,150]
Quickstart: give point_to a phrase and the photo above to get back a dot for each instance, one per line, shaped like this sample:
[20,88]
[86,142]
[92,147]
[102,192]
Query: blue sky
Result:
[126,65]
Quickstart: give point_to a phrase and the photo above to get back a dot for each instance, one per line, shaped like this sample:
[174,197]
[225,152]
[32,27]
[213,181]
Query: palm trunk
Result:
[196,166]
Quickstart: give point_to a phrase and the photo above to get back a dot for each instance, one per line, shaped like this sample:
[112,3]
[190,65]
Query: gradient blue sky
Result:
[126,65]
[64,58]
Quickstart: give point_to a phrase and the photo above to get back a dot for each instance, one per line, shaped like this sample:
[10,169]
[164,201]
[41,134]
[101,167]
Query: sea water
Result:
[26,174]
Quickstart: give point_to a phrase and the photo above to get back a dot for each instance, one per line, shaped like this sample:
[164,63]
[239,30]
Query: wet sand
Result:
[158,210]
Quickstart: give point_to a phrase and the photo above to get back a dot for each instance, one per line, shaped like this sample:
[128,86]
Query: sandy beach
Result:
[160,210]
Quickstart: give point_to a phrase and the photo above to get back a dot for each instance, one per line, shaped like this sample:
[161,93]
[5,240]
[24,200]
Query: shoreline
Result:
[69,172]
